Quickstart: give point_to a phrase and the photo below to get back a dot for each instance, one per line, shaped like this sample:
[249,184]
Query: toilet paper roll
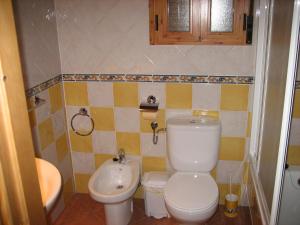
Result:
[149,115]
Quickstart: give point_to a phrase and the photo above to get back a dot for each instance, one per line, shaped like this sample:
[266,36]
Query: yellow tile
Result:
[234,97]
[32,118]
[68,190]
[179,96]
[146,124]
[81,143]
[213,173]
[46,133]
[103,118]
[201,112]
[126,94]
[153,164]
[296,110]
[76,93]
[139,193]
[249,126]
[294,155]
[246,173]
[55,94]
[81,182]
[232,148]
[101,158]
[62,147]
[224,190]
[130,142]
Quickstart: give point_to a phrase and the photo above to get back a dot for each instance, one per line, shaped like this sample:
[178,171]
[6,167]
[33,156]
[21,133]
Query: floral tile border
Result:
[141,78]
[43,86]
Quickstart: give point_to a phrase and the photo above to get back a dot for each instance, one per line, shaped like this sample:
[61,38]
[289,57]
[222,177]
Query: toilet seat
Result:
[191,192]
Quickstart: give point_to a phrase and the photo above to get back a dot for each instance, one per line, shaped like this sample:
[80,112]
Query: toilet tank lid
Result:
[155,179]
[193,121]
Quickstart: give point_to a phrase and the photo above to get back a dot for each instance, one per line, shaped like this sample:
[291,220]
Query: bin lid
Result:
[155,179]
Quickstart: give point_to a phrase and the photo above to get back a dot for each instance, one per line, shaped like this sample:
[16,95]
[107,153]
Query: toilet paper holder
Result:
[151,105]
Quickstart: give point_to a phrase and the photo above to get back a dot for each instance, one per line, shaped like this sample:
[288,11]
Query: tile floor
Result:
[82,210]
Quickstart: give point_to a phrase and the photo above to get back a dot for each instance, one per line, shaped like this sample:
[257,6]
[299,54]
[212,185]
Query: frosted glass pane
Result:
[221,16]
[179,15]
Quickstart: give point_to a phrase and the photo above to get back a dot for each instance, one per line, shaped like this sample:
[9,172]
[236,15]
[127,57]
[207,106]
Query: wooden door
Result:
[20,201]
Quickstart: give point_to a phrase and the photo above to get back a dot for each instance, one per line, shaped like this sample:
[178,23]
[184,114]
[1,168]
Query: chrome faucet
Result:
[121,156]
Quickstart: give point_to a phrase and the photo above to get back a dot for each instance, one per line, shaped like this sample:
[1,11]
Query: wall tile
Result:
[68,191]
[293,155]
[125,94]
[130,142]
[232,148]
[65,168]
[81,182]
[83,162]
[153,164]
[62,147]
[59,123]
[234,123]
[150,149]
[127,119]
[206,96]
[80,143]
[101,158]
[179,96]
[76,93]
[49,154]
[104,142]
[214,114]
[227,168]
[249,124]
[100,94]
[156,89]
[234,97]
[44,111]
[296,109]
[103,118]
[46,133]
[146,124]
[295,132]
[55,94]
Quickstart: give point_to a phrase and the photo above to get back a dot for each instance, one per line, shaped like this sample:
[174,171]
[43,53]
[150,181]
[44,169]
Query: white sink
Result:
[50,182]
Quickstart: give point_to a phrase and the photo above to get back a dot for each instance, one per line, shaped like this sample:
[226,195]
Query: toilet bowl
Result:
[190,197]
[191,194]
[114,184]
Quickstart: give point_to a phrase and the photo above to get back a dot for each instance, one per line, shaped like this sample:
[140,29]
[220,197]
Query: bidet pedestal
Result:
[118,213]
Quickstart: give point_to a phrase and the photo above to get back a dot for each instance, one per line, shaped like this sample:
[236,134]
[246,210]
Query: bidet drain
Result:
[120,186]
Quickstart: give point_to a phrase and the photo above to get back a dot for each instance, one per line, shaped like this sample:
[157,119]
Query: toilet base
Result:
[118,213]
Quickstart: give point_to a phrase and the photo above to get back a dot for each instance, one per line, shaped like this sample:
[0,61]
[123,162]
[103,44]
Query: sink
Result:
[50,182]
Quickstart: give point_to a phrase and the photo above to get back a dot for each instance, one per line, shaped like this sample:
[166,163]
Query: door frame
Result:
[21,201]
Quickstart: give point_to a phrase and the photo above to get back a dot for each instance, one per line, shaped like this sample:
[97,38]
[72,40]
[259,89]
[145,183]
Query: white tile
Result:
[225,168]
[127,119]
[178,112]
[104,142]
[156,89]
[100,94]
[36,139]
[150,149]
[59,123]
[49,154]
[206,96]
[234,123]
[295,132]
[83,162]
[43,112]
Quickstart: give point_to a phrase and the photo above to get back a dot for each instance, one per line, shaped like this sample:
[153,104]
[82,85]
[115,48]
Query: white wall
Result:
[37,34]
[100,36]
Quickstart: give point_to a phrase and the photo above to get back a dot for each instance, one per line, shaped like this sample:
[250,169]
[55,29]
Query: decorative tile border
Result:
[141,78]
[43,86]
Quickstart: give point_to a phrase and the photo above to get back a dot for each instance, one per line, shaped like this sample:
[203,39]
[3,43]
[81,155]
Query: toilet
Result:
[191,194]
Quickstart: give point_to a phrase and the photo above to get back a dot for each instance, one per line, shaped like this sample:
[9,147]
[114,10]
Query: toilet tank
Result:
[193,143]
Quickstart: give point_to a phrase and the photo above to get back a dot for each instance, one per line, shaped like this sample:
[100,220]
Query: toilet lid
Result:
[191,191]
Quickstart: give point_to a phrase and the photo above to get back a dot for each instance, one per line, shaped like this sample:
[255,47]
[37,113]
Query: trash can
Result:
[154,183]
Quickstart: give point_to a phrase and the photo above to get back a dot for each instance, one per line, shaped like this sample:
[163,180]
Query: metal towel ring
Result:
[82,112]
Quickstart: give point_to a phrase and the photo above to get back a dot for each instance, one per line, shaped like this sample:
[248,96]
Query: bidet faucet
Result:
[121,156]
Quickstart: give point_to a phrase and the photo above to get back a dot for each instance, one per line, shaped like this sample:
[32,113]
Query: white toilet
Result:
[191,194]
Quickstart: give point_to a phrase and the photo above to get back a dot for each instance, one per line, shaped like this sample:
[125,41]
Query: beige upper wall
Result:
[101,36]
[37,34]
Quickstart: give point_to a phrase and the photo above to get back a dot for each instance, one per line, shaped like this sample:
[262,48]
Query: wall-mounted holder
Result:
[82,112]
[151,105]
[36,102]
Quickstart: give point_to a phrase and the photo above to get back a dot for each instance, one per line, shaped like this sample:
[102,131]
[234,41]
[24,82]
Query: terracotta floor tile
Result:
[82,210]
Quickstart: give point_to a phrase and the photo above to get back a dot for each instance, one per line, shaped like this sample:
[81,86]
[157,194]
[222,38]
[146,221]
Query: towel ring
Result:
[82,112]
